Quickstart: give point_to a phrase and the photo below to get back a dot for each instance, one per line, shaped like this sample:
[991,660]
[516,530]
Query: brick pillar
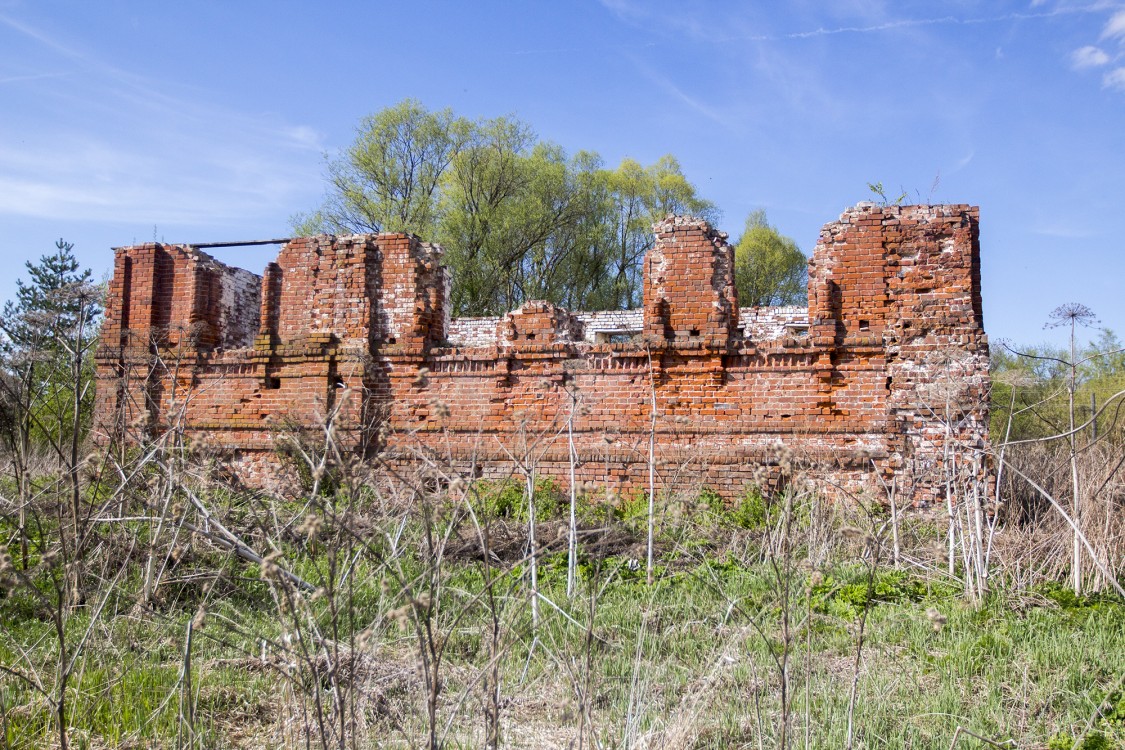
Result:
[414,299]
[112,347]
[271,300]
[138,315]
[848,301]
[906,280]
[689,292]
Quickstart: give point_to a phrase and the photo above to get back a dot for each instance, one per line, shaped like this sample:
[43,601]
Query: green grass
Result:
[693,652]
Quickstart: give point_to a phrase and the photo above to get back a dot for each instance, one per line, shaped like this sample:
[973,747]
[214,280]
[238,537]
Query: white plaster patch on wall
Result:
[470,332]
[772,323]
[240,307]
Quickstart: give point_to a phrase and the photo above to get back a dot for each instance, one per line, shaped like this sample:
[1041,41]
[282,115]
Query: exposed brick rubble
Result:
[887,366]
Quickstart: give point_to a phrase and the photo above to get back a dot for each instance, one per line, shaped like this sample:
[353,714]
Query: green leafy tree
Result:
[639,197]
[498,201]
[1104,358]
[519,218]
[769,268]
[54,313]
[1026,389]
[47,336]
[1030,385]
[388,179]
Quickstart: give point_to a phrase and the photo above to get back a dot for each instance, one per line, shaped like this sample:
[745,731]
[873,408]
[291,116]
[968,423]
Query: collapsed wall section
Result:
[194,350]
[867,387]
[180,295]
[167,305]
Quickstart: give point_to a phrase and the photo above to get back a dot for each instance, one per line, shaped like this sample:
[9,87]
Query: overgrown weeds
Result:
[353,618]
[376,608]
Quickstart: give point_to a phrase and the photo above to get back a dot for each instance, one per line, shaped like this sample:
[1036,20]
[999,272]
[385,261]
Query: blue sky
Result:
[193,122]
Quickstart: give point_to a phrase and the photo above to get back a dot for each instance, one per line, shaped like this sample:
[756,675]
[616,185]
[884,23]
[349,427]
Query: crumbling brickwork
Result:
[868,387]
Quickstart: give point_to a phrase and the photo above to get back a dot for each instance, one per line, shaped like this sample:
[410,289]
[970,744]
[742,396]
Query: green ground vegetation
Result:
[417,600]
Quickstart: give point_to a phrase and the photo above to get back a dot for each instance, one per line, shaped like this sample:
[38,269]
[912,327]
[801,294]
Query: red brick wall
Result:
[894,363]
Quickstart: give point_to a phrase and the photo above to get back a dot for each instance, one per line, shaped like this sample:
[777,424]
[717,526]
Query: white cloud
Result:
[1088,57]
[304,136]
[713,113]
[1115,79]
[1115,28]
[117,156]
[29,77]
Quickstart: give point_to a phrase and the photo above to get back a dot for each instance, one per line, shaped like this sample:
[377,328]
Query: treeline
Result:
[522,219]
[1030,389]
[1058,428]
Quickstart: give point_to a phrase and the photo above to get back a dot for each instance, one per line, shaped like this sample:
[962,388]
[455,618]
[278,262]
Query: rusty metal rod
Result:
[244,243]
[240,244]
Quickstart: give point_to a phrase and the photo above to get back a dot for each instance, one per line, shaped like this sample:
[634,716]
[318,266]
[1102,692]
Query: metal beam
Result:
[240,244]
[197,245]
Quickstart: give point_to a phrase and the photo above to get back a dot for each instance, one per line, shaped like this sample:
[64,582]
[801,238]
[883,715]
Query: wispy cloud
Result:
[1063,231]
[1115,27]
[669,86]
[947,20]
[1088,57]
[122,147]
[672,18]
[303,135]
[1115,79]
[173,179]
[29,77]
[39,36]
[644,13]
[626,9]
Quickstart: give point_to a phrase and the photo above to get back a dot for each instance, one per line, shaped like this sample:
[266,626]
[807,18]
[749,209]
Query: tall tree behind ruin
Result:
[639,197]
[769,268]
[387,180]
[519,218]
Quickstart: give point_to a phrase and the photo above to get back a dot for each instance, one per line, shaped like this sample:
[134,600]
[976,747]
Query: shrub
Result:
[753,511]
[508,499]
[846,596]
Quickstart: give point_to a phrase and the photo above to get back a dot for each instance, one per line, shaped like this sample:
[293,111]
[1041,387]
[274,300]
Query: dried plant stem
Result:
[533,552]
[572,527]
[186,709]
[872,567]
[651,476]
[1078,533]
[1076,495]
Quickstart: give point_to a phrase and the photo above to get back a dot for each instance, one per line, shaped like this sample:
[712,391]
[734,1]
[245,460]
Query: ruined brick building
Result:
[876,382]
